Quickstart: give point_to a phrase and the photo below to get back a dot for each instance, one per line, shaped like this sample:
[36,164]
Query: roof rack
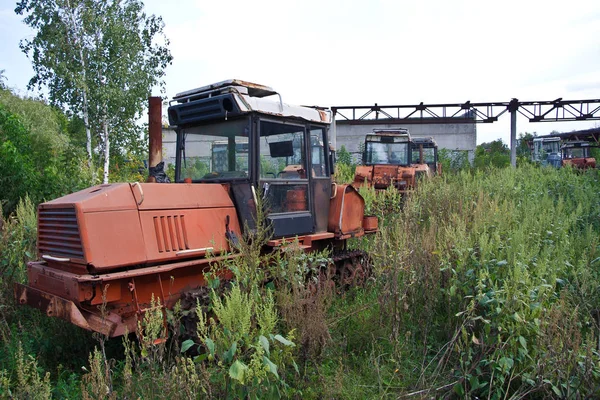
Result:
[237,85]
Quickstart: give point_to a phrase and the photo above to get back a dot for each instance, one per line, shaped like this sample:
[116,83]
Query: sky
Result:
[390,52]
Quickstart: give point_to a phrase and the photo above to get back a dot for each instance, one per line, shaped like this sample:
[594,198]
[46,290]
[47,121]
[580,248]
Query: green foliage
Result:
[195,168]
[242,349]
[343,156]
[523,142]
[452,160]
[344,167]
[26,382]
[128,168]
[29,384]
[496,270]
[492,154]
[96,384]
[382,203]
[18,242]
[100,59]
[36,157]
[271,168]
[344,173]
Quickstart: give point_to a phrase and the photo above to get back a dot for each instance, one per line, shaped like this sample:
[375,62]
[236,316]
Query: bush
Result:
[36,157]
[496,270]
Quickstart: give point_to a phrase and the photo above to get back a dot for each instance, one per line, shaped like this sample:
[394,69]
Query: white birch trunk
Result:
[88,132]
[86,120]
[106,150]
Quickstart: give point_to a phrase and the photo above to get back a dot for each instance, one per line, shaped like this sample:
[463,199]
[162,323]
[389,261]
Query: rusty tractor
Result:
[576,153]
[119,245]
[393,158]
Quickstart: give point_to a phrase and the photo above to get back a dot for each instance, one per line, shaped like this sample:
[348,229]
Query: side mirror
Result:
[332,161]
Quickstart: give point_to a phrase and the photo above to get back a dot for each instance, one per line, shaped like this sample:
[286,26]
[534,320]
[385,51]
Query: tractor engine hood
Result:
[112,226]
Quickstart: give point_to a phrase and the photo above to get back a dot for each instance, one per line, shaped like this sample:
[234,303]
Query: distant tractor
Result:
[392,158]
[557,153]
[577,154]
[546,151]
[425,151]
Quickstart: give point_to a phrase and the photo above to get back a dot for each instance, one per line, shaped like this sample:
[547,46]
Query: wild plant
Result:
[473,262]
[344,173]
[242,349]
[28,384]
[96,384]
[305,286]
[18,240]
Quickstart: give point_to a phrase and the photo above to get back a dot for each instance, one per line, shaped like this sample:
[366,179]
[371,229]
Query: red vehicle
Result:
[392,158]
[119,245]
[577,154]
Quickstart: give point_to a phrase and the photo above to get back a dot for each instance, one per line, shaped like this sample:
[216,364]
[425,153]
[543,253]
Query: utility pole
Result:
[513,106]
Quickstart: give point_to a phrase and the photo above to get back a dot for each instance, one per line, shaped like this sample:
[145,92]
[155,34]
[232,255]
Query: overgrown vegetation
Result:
[42,153]
[485,285]
[493,278]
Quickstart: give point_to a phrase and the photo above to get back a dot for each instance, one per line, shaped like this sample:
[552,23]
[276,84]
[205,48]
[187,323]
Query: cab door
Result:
[283,178]
[320,176]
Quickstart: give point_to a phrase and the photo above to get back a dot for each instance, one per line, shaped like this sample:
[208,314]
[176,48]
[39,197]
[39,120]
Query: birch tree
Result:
[98,59]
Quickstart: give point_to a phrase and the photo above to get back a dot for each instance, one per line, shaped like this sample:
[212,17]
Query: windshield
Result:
[575,152]
[395,153]
[215,151]
[428,155]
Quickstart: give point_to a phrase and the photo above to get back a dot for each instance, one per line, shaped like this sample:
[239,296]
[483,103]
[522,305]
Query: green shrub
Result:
[19,235]
[492,268]
[27,382]
[36,156]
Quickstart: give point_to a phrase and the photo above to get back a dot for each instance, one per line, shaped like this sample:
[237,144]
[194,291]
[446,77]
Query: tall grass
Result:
[494,275]
[485,285]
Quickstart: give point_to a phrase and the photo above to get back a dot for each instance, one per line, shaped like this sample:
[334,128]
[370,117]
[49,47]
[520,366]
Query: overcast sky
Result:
[380,51]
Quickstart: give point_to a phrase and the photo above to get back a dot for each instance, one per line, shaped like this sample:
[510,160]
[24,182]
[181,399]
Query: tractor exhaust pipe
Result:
[154,133]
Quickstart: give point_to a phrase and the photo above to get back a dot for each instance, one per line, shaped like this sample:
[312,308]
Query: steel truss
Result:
[534,111]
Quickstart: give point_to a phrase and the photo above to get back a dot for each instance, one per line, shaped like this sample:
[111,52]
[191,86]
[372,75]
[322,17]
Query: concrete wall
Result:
[462,137]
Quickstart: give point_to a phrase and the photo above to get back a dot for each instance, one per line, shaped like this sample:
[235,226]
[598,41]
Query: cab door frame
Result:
[291,198]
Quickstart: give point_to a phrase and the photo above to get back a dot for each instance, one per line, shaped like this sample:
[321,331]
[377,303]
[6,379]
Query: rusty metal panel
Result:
[346,211]
[385,175]
[171,196]
[363,175]
[75,297]
[56,281]
[55,306]
[189,232]
[114,197]
[114,239]
[101,228]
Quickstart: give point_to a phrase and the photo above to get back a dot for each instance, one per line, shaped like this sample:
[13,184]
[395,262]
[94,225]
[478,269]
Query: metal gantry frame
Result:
[467,112]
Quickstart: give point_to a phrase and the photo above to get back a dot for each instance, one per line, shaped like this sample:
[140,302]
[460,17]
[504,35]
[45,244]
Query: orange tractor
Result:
[119,245]
[577,154]
[392,158]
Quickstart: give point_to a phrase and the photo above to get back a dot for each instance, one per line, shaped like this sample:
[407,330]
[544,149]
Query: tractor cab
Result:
[387,161]
[389,147]
[243,136]
[577,154]
[546,151]
[425,151]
